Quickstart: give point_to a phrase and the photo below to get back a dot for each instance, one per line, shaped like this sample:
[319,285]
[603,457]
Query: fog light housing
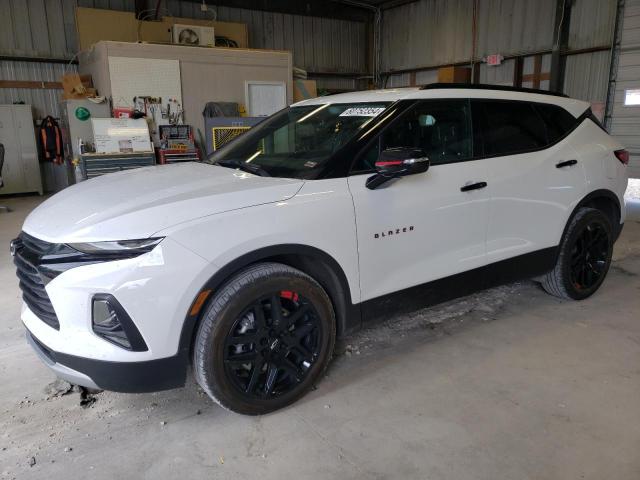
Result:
[111,322]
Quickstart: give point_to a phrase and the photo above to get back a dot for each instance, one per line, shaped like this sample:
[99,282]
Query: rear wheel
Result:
[584,257]
[265,339]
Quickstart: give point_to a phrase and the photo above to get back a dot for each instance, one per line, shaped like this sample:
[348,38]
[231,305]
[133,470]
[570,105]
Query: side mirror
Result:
[396,163]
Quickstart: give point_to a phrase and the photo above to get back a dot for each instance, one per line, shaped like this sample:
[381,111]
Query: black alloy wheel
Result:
[265,338]
[272,345]
[589,257]
[584,256]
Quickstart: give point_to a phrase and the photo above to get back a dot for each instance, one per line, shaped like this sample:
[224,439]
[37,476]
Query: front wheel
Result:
[265,339]
[584,257]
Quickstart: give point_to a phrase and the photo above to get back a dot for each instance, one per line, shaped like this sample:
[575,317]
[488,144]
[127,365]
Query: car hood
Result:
[137,203]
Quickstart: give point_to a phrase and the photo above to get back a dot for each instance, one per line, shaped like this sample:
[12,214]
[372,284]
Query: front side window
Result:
[441,128]
[297,142]
[507,127]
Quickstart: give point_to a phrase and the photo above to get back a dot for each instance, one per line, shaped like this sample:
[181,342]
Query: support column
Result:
[560,44]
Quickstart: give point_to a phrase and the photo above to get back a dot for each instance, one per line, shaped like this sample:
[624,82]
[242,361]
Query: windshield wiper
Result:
[247,167]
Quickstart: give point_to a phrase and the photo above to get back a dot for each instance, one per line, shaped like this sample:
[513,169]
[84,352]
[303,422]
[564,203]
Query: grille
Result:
[28,250]
[33,245]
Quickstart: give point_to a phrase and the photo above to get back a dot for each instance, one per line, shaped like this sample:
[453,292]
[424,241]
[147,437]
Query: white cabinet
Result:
[21,171]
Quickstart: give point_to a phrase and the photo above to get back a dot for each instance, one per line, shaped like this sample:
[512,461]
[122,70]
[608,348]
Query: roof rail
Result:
[483,86]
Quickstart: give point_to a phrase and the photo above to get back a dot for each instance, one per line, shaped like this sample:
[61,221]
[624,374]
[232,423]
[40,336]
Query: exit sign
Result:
[495,59]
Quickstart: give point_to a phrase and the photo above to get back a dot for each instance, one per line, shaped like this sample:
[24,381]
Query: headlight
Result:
[126,247]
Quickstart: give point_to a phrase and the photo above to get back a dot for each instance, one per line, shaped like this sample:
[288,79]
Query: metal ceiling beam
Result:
[313,8]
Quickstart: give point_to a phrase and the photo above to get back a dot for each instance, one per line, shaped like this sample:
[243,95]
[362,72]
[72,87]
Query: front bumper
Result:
[155,290]
[126,377]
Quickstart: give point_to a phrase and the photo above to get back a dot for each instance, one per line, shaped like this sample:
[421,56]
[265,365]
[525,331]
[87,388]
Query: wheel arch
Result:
[314,262]
[607,202]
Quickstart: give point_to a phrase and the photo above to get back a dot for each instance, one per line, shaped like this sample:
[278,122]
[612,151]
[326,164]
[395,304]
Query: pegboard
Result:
[135,77]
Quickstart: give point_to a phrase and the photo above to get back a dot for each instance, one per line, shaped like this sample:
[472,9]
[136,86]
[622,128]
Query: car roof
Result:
[573,106]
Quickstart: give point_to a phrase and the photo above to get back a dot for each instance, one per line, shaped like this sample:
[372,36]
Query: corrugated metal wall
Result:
[338,84]
[424,33]
[436,32]
[317,44]
[417,35]
[587,76]
[46,28]
[625,120]
[592,23]
[498,75]
[512,27]
[44,101]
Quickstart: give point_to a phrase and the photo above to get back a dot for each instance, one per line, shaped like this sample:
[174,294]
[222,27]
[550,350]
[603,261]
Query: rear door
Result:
[534,175]
[421,227]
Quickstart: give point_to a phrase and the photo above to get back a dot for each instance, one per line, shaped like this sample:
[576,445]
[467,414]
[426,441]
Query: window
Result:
[297,142]
[558,121]
[439,127]
[505,127]
[632,97]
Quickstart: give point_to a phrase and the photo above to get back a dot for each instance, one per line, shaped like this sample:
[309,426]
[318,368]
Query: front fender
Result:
[317,223]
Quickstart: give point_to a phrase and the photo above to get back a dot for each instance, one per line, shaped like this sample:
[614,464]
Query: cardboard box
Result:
[304,89]
[454,75]
[95,24]
[76,86]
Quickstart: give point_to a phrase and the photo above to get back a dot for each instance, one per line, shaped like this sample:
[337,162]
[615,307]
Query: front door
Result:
[426,226]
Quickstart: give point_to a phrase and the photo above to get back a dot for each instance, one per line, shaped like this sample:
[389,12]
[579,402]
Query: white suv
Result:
[337,210]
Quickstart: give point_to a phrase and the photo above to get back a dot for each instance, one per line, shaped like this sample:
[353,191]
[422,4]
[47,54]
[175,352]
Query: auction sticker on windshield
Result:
[362,112]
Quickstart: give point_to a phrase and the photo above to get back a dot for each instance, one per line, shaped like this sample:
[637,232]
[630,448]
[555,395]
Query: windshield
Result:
[298,141]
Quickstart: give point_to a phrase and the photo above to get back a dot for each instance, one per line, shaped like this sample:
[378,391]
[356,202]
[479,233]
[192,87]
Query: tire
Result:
[584,256]
[253,360]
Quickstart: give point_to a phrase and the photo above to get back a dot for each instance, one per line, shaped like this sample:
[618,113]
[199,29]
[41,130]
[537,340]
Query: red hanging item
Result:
[51,139]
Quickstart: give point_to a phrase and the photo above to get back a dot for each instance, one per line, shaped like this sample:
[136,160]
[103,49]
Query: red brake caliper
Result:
[288,294]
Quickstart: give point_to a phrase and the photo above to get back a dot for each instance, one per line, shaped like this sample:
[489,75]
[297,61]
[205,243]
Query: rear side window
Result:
[558,121]
[508,127]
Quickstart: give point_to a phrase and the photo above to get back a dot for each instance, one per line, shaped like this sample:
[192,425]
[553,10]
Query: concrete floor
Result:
[510,383]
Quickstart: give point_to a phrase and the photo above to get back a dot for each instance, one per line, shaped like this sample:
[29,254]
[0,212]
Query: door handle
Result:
[567,163]
[473,186]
